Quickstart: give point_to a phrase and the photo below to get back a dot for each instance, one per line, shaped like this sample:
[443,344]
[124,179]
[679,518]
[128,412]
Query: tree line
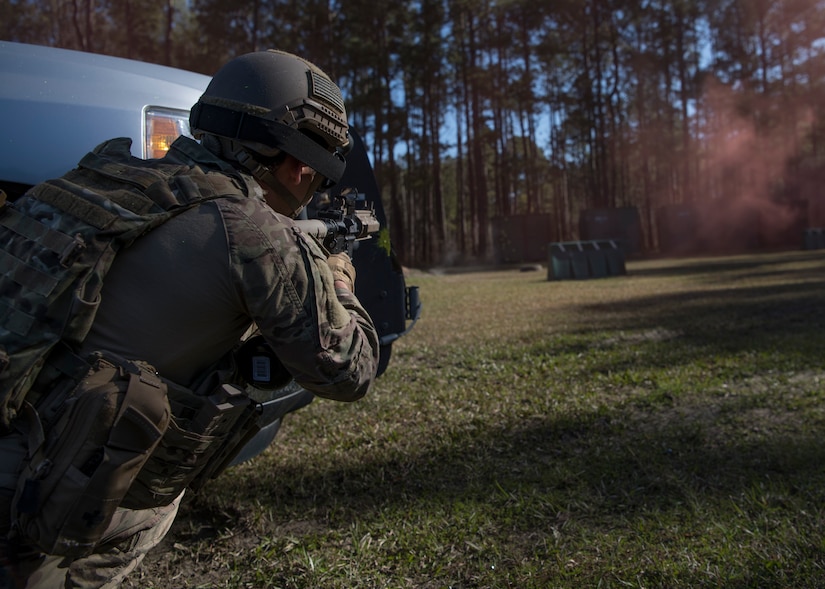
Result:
[477,110]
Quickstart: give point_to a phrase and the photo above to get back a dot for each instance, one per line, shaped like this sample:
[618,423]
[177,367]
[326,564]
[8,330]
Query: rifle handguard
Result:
[340,224]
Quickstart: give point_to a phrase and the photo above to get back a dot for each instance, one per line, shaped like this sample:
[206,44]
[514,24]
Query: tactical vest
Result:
[58,241]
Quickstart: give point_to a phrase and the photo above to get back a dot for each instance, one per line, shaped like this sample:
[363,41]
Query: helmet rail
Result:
[267,137]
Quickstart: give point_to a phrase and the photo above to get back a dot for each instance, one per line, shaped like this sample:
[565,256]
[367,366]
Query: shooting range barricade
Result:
[813,238]
[585,259]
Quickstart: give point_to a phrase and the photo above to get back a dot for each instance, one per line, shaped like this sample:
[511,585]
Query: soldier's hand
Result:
[342,270]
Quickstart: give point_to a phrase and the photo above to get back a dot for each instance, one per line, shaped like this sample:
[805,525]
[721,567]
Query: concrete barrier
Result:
[585,259]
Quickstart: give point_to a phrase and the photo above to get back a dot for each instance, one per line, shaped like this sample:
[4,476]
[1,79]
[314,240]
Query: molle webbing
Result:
[35,231]
[57,193]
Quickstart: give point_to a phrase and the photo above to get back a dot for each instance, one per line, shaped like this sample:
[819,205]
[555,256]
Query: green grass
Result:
[660,429]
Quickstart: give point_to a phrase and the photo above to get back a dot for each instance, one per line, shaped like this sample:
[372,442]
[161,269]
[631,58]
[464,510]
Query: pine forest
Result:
[481,115]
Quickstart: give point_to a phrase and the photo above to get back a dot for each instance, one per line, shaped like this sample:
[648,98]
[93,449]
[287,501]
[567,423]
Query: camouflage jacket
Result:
[181,296]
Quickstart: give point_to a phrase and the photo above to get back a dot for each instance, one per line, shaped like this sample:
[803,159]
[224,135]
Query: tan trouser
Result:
[126,541]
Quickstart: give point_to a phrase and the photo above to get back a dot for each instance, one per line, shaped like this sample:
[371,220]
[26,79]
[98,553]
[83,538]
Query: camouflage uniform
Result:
[180,299]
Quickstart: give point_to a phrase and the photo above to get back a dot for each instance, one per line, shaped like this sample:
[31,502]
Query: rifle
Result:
[339,221]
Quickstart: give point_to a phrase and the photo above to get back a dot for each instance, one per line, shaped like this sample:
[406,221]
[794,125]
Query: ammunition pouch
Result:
[121,436]
[204,435]
[81,468]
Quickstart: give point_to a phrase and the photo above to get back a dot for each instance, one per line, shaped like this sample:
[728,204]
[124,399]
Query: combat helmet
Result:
[266,103]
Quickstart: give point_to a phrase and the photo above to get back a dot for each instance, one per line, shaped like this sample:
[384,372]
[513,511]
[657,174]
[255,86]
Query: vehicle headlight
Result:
[161,126]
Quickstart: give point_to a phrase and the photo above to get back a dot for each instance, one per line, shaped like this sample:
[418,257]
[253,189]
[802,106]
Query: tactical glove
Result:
[342,269]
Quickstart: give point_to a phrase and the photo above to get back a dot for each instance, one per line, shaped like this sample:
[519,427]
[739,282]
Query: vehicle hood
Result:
[57,104]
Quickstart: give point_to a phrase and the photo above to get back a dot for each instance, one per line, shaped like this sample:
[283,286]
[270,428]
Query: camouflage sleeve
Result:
[323,337]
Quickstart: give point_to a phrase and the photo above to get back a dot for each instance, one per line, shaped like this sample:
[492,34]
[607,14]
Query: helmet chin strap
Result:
[265,176]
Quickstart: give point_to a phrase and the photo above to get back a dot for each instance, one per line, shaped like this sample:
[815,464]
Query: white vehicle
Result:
[56,105]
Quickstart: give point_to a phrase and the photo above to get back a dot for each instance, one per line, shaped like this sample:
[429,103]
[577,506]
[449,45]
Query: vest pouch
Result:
[73,483]
[205,433]
[176,461]
[235,436]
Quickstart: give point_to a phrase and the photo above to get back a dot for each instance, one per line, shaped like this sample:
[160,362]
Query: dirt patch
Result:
[206,543]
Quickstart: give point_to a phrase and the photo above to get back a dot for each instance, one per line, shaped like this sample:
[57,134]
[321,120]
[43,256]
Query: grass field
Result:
[660,429]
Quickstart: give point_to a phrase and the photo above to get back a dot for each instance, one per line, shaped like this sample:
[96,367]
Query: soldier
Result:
[182,296]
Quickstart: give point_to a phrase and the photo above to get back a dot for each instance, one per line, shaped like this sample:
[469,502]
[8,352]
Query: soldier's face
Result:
[298,179]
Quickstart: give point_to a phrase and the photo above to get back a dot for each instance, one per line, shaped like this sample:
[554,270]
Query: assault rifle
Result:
[339,220]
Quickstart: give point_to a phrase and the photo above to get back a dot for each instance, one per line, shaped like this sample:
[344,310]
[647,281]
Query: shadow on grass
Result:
[743,266]
[598,461]
[778,318]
